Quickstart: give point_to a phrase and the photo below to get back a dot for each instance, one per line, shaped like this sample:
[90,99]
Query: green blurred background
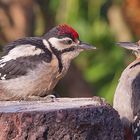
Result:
[100,22]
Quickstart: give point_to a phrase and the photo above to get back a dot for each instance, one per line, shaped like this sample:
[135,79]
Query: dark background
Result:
[100,23]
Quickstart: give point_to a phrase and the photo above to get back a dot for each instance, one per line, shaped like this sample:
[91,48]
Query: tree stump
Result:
[64,119]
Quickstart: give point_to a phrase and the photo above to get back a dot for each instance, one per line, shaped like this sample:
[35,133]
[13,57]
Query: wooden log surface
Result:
[64,119]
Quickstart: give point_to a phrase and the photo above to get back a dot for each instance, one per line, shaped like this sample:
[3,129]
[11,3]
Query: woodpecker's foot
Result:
[48,98]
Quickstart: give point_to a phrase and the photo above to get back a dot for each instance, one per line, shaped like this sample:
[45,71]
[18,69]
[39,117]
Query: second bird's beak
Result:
[128,45]
[85,46]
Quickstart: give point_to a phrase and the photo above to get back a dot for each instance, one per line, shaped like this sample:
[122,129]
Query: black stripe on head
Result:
[35,41]
[134,65]
[67,50]
[57,53]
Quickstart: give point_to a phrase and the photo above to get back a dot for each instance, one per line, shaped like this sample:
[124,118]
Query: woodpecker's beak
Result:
[129,45]
[85,46]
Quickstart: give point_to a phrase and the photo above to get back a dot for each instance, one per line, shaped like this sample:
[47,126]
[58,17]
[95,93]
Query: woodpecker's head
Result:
[65,39]
[135,47]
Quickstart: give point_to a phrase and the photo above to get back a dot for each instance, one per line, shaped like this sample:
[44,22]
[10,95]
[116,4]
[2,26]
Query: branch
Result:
[64,119]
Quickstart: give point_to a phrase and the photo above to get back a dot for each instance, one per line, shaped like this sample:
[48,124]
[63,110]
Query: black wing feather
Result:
[136,95]
[20,66]
[12,69]
[35,41]
[23,41]
[15,68]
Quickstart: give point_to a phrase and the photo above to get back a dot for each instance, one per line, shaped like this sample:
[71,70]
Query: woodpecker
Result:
[31,67]
[127,94]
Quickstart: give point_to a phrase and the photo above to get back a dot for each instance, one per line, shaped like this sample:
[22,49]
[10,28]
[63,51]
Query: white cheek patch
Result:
[21,51]
[57,43]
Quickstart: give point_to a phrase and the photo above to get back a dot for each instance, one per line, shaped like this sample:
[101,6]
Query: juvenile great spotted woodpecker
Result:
[127,95]
[31,67]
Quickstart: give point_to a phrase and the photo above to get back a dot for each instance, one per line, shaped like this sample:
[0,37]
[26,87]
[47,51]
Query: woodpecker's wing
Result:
[33,41]
[21,56]
[136,106]
[136,94]
[15,68]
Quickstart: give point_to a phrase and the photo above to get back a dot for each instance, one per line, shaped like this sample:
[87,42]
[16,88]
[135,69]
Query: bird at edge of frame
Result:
[127,94]
[31,67]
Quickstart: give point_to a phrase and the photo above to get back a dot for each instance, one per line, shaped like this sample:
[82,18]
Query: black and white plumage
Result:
[15,65]
[127,95]
[32,66]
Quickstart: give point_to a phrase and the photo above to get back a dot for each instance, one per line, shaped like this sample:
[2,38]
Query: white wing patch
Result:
[3,77]
[2,65]
[45,42]
[21,51]
[17,52]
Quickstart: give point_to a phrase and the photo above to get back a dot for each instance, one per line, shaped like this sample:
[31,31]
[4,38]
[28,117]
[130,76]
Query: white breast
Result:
[123,94]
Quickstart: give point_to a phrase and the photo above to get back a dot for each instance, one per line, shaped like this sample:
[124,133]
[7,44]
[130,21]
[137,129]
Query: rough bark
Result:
[64,119]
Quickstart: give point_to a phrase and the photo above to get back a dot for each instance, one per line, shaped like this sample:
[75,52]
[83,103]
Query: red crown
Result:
[66,29]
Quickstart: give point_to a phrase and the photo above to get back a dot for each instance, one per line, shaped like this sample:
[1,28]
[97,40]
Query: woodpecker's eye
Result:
[67,41]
